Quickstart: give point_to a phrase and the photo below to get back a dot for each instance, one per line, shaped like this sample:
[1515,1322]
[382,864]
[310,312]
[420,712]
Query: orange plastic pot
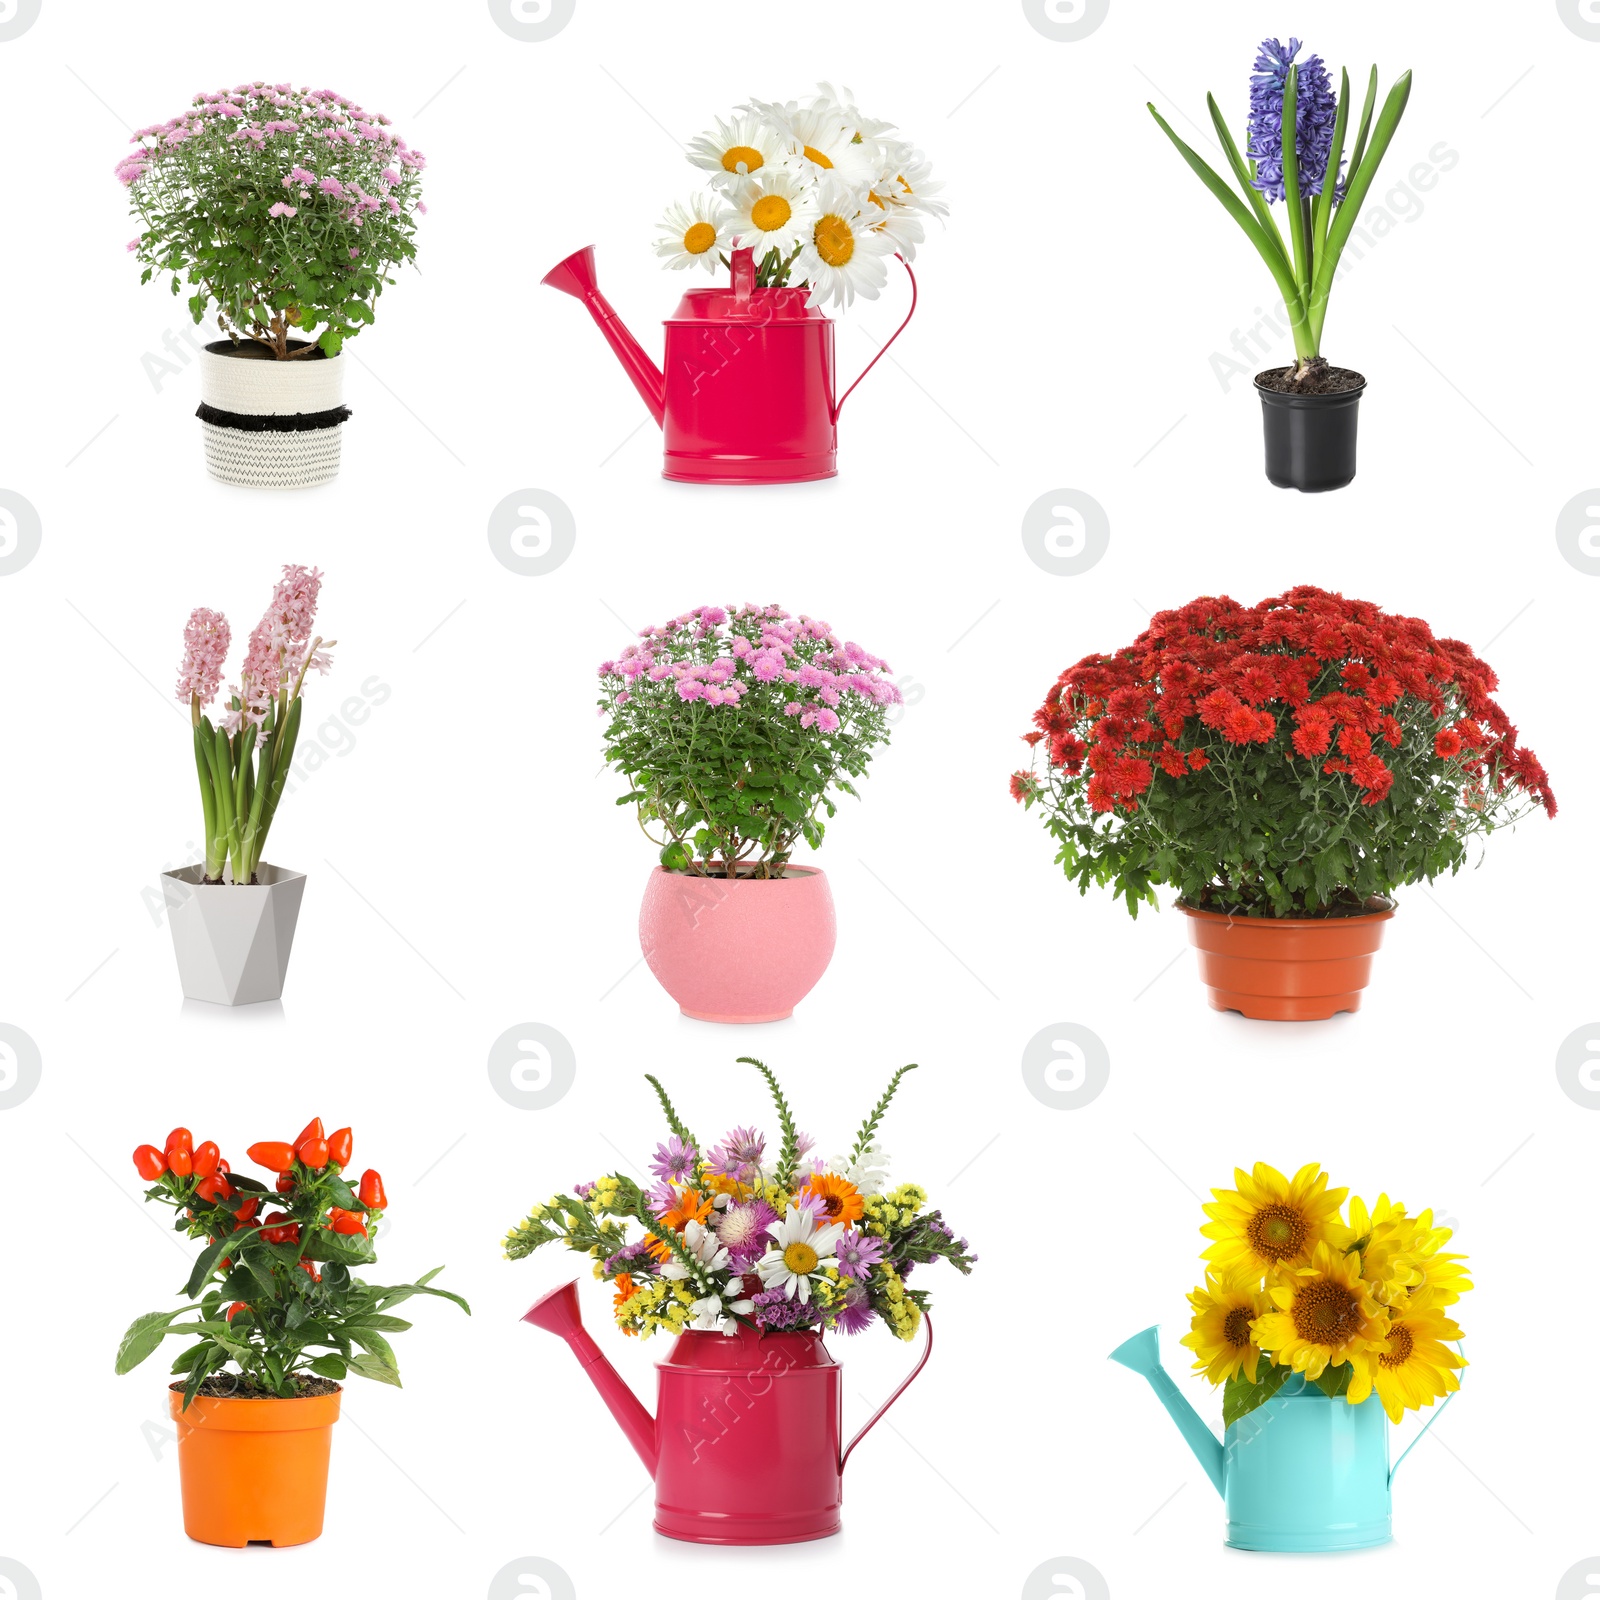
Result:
[1285,969]
[254,1471]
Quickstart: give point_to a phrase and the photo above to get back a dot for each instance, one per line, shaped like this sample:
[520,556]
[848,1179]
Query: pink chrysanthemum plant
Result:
[287,209]
[243,760]
[734,727]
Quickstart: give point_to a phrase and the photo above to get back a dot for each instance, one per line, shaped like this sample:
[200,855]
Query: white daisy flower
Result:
[802,1248]
[843,255]
[821,139]
[696,234]
[907,180]
[842,102]
[733,150]
[772,211]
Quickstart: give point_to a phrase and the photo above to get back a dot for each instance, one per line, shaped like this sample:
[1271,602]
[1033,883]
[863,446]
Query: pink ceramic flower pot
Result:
[745,950]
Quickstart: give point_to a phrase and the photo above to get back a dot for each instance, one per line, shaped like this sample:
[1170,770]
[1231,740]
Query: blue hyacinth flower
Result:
[1316,107]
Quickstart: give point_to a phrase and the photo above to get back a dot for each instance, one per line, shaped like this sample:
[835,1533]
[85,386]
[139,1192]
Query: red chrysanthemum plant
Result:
[1305,756]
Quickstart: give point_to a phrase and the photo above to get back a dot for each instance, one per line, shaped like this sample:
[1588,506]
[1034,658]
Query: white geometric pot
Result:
[271,424]
[232,940]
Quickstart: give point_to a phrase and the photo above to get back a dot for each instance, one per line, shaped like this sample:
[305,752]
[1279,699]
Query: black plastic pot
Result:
[1311,438]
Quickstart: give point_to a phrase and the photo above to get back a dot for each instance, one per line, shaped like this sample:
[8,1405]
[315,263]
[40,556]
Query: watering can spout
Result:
[576,276]
[557,1313]
[1142,1355]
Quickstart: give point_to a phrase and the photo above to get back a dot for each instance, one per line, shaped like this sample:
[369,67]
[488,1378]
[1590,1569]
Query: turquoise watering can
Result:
[1303,1472]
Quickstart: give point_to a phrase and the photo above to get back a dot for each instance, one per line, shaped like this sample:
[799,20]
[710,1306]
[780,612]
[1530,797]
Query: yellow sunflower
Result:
[1326,1316]
[1442,1274]
[1387,1241]
[1220,1333]
[1270,1220]
[1413,1368]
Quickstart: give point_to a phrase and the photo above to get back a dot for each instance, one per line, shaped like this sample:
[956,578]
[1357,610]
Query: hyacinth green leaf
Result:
[1235,207]
[1291,185]
[1355,196]
[1330,179]
[1366,121]
[1244,173]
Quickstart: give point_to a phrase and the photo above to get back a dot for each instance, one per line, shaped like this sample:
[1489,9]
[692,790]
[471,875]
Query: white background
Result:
[469,873]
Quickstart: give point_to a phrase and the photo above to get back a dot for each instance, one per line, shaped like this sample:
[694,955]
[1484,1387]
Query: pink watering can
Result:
[745,1444]
[748,391]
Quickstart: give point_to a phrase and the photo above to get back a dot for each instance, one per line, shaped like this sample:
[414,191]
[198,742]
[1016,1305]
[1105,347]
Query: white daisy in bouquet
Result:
[774,211]
[733,150]
[819,193]
[696,232]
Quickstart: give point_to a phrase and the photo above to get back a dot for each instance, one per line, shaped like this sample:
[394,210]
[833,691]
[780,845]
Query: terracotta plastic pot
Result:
[740,950]
[1285,969]
[254,1471]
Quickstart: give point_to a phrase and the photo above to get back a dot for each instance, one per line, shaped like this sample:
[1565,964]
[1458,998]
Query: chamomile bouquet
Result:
[819,193]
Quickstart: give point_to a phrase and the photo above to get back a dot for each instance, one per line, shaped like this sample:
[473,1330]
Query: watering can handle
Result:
[1428,1424]
[927,1350]
[882,352]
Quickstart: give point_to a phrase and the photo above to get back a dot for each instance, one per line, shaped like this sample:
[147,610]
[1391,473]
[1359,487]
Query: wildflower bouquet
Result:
[243,763]
[818,193]
[1294,154]
[734,728]
[272,1292]
[731,1236]
[1357,1303]
[1289,759]
[286,208]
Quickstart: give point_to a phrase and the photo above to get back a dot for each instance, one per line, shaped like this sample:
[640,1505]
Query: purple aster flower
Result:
[857,1253]
[743,1229]
[583,1190]
[674,1160]
[633,1258]
[739,1151]
[857,1312]
[1316,109]
[777,1313]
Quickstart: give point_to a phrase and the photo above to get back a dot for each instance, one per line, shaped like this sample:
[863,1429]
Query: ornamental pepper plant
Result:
[1294,157]
[734,1234]
[734,728]
[1294,758]
[286,209]
[272,1306]
[243,761]
[1355,1298]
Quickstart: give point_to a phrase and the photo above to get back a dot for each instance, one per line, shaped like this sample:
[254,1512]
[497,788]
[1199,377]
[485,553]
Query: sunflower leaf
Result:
[1241,1397]
[1335,1380]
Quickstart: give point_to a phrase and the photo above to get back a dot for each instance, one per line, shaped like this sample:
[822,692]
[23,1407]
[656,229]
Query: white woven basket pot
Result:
[271,424]
[233,940]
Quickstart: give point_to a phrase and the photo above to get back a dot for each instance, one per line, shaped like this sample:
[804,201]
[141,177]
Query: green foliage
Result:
[789,1153]
[869,1128]
[1240,1397]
